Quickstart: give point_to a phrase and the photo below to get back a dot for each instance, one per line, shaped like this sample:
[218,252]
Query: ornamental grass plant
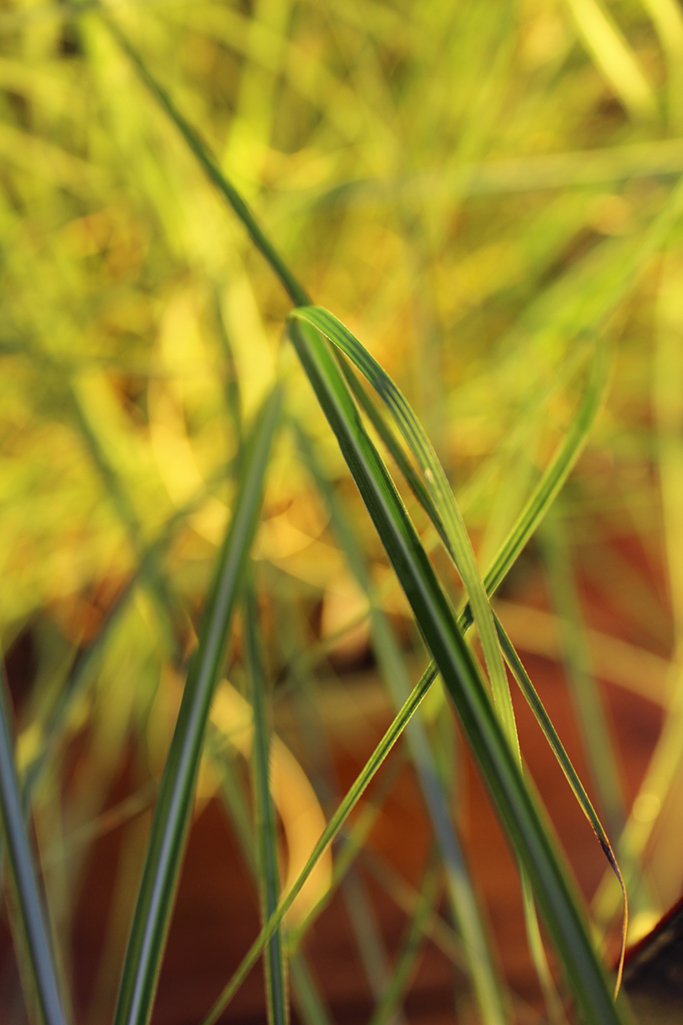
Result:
[330,332]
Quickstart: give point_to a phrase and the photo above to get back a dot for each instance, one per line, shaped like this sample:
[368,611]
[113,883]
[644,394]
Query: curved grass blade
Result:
[30,934]
[513,800]
[514,803]
[529,691]
[266,828]
[172,812]
[459,544]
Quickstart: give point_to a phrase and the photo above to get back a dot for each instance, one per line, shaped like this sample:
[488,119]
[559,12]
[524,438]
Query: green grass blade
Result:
[172,812]
[543,719]
[460,889]
[266,826]
[460,548]
[414,571]
[309,1003]
[333,827]
[30,933]
[459,544]
[393,446]
[210,166]
[514,803]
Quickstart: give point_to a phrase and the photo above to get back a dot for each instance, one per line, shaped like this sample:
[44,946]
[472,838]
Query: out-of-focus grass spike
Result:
[590,712]
[266,826]
[406,962]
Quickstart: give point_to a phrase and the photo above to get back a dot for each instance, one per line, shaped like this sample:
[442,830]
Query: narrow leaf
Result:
[514,802]
[174,805]
[266,827]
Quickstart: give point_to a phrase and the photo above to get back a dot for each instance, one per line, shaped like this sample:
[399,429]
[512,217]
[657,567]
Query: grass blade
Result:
[459,544]
[514,804]
[543,719]
[210,166]
[553,477]
[31,934]
[266,827]
[332,829]
[461,891]
[512,799]
[172,812]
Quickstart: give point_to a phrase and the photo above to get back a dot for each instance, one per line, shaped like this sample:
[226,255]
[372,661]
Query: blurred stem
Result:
[29,922]
[595,734]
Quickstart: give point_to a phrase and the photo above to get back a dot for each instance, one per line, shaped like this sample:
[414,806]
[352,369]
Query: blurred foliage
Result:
[473,188]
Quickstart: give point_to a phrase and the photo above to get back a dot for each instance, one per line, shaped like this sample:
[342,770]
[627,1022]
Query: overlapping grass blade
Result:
[460,889]
[266,826]
[496,761]
[174,804]
[332,829]
[459,544]
[529,691]
[29,926]
[514,803]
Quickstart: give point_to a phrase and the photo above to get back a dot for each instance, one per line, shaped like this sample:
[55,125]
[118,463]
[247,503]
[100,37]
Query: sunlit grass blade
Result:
[543,719]
[460,889]
[512,799]
[266,826]
[29,926]
[613,56]
[174,804]
[211,168]
[335,824]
